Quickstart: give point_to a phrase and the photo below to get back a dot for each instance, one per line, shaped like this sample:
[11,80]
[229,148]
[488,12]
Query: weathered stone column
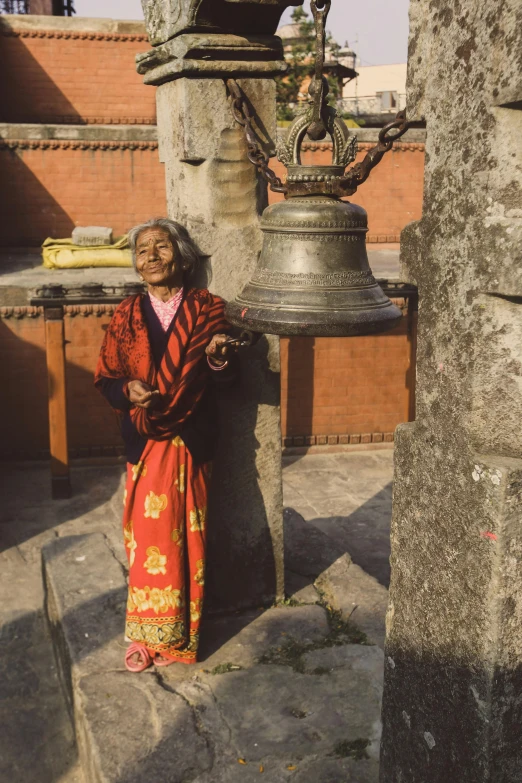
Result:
[453,682]
[217,194]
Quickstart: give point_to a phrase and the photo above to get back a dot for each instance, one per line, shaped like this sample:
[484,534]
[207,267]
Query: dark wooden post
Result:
[55,355]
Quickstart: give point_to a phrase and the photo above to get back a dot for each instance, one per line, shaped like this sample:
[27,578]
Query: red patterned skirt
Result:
[164,524]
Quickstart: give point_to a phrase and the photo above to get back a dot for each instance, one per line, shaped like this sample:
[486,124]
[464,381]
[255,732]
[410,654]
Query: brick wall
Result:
[23,401]
[48,187]
[85,331]
[341,390]
[67,75]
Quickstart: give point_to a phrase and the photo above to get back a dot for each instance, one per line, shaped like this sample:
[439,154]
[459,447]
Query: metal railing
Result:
[14,6]
[374,104]
[59,7]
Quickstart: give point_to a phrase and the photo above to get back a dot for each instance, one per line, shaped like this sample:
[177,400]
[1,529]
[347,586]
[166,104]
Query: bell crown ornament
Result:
[313,277]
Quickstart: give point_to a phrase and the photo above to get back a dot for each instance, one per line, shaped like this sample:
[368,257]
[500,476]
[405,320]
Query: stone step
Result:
[357,595]
[315,560]
[275,691]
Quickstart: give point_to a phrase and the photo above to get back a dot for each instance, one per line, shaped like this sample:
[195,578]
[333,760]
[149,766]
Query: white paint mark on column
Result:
[481,704]
[477,473]
[495,476]
[429,739]
[406,718]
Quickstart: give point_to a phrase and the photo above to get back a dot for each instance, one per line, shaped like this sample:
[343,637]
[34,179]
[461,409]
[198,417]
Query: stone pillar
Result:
[453,682]
[217,194]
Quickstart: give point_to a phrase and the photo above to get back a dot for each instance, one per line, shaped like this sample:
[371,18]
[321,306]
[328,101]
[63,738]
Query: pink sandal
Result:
[167,662]
[140,649]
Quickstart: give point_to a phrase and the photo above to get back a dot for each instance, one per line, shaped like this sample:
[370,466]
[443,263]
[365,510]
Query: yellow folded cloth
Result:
[62,254]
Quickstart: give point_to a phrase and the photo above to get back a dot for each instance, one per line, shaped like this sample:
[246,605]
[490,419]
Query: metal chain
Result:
[400,123]
[256,153]
[361,171]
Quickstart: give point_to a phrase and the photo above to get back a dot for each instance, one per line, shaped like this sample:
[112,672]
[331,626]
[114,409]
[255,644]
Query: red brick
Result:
[43,197]
[42,81]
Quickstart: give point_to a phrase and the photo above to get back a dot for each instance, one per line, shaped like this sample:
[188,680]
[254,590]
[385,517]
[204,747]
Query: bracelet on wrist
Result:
[216,367]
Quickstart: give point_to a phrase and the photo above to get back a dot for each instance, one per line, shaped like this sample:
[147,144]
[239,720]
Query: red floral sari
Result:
[164,520]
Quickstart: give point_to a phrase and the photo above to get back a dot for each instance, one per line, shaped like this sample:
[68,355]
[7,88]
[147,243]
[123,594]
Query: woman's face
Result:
[157,260]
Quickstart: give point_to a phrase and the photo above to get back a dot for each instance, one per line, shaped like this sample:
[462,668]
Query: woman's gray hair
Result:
[179,237]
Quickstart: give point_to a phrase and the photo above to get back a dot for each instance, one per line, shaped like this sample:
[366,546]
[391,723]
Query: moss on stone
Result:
[223,668]
[354,749]
[291,652]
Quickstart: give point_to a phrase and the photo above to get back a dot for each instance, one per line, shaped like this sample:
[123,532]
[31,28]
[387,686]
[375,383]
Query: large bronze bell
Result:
[313,276]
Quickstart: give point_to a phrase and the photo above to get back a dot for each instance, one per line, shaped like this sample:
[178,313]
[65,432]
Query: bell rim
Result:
[264,320]
[288,308]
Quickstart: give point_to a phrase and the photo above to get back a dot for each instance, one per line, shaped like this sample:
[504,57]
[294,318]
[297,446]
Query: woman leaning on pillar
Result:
[163,353]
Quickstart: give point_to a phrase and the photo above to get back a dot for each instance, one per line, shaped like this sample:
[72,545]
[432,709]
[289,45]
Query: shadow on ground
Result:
[364,534]
[348,498]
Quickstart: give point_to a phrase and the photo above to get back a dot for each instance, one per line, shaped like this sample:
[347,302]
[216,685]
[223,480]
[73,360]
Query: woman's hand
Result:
[216,350]
[141,394]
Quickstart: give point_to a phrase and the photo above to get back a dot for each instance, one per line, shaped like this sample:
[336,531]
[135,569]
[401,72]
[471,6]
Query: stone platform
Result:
[283,689]
[290,692]
[21,273]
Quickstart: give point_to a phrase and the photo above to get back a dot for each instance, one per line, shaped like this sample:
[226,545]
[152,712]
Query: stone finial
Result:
[166,19]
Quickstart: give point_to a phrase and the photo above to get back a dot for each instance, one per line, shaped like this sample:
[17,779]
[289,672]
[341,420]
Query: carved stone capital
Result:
[166,19]
[212,54]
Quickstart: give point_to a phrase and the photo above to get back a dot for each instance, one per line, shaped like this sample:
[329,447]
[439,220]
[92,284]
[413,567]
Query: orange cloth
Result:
[182,375]
[165,525]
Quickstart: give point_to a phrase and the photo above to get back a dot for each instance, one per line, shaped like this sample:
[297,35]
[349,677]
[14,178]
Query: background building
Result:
[376,94]
[39,7]
[339,63]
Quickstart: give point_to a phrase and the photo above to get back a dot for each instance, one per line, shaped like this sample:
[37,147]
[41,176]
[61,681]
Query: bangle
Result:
[216,367]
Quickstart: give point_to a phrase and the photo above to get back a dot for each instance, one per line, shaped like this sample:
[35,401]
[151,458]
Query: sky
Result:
[376,29]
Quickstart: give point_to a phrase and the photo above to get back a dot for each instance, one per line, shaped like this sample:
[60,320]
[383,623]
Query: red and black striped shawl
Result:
[183,373]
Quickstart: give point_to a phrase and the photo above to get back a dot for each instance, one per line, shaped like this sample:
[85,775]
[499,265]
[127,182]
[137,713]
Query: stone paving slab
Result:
[347,497]
[294,715]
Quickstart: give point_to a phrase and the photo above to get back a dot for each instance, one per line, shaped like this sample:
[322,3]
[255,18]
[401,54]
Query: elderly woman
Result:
[160,353]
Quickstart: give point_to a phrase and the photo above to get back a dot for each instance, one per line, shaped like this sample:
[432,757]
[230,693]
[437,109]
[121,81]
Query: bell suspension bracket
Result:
[317,122]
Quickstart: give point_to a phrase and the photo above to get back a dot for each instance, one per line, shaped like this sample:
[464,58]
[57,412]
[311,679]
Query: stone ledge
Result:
[19,133]
[177,69]
[22,273]
[319,559]
[73,24]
